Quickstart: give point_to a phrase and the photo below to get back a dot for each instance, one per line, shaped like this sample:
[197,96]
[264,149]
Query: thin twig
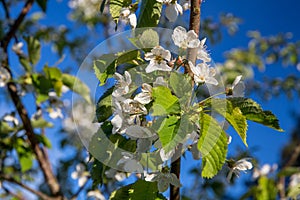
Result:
[5,9]
[38,193]
[17,23]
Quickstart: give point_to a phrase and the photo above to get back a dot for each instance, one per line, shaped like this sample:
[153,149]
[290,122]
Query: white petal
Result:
[132,20]
[82,180]
[166,156]
[150,177]
[236,80]
[171,12]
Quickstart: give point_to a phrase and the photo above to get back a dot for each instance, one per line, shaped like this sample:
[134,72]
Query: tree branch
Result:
[5,9]
[18,196]
[39,194]
[17,23]
[191,56]
[44,163]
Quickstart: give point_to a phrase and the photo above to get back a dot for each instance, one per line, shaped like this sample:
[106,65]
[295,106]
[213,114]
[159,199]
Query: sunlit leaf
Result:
[77,86]
[149,14]
[254,112]
[34,49]
[164,102]
[212,144]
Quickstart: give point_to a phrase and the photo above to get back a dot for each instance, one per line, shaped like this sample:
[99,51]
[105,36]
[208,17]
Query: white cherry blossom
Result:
[172,11]
[238,87]
[185,39]
[17,48]
[264,170]
[203,73]
[81,174]
[163,180]
[55,113]
[144,97]
[202,52]
[165,156]
[11,118]
[240,165]
[128,16]
[129,163]
[96,194]
[158,59]
[123,83]
[4,76]
[294,180]
[112,173]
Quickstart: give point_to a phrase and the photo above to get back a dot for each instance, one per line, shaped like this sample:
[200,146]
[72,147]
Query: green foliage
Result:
[77,86]
[168,130]
[266,188]
[5,128]
[104,106]
[115,7]
[164,102]
[252,111]
[24,153]
[41,123]
[150,13]
[42,4]
[34,49]
[232,114]
[294,192]
[182,88]
[105,65]
[212,144]
[97,172]
[147,39]
[42,86]
[138,190]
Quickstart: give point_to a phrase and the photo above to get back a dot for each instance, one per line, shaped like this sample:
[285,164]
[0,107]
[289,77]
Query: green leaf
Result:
[173,131]
[182,87]
[81,88]
[41,123]
[104,106]
[288,171]
[42,4]
[97,172]
[52,73]
[232,114]
[138,190]
[5,128]
[25,63]
[254,112]
[147,39]
[294,192]
[266,189]
[25,162]
[44,140]
[34,49]
[115,7]
[42,86]
[149,14]
[168,129]
[55,75]
[164,102]
[105,66]
[212,144]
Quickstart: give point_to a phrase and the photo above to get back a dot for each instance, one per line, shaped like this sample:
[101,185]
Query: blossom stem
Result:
[212,96]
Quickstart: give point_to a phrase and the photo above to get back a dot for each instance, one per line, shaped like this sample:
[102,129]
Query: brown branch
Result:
[17,23]
[175,169]
[38,193]
[18,196]
[44,163]
[191,56]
